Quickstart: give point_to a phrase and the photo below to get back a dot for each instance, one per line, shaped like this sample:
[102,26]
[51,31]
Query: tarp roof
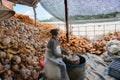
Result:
[25,2]
[81,7]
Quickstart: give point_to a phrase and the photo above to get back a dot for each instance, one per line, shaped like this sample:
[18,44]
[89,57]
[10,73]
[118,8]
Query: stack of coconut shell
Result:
[83,45]
[23,18]
[75,45]
[20,50]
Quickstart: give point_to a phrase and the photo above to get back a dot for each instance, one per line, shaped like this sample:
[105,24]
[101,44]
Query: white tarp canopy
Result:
[81,7]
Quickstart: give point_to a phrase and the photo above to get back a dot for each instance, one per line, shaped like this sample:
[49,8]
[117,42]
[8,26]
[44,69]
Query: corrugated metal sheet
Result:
[6,10]
[7,4]
[25,2]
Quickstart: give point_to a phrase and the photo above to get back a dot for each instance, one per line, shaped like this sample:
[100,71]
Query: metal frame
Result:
[103,29]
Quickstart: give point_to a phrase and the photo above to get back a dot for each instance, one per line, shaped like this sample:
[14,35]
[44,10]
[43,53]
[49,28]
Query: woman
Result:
[55,68]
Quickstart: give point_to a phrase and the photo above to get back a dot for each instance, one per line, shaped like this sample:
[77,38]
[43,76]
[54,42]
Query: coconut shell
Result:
[9,78]
[7,66]
[3,47]
[35,74]
[6,41]
[7,75]
[6,61]
[25,73]
[12,51]
[2,54]
[1,68]
[15,68]
[9,56]
[16,59]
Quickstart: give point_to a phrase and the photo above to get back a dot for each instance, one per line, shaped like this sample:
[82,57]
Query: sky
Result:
[42,14]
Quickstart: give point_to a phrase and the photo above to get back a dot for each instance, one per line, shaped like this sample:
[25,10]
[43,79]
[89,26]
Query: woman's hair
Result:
[54,31]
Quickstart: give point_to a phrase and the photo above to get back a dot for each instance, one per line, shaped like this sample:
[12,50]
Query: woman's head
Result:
[55,33]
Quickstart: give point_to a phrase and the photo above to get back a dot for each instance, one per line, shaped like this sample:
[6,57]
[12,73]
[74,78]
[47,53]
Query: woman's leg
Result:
[63,70]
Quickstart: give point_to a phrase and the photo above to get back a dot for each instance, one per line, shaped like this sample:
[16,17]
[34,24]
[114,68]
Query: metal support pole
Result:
[104,30]
[115,28]
[66,19]
[94,30]
[86,31]
[34,14]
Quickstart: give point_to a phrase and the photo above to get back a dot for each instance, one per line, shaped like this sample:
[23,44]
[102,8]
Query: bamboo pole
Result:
[66,19]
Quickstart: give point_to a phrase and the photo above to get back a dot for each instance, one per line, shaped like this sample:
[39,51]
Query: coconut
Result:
[9,56]
[25,73]
[2,54]
[7,66]
[29,59]
[8,78]
[12,51]
[35,74]
[18,77]
[15,68]
[6,41]
[6,61]
[9,72]
[7,75]
[16,59]
[1,68]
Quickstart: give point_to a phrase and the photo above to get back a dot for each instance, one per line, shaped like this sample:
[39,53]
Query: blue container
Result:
[114,68]
[77,71]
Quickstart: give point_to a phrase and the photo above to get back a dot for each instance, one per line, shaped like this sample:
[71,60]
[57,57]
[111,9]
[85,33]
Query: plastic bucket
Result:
[77,71]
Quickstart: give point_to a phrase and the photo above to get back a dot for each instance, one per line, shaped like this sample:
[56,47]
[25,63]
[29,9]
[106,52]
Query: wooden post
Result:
[34,14]
[66,19]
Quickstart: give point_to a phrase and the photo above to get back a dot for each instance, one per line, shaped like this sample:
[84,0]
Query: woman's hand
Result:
[63,56]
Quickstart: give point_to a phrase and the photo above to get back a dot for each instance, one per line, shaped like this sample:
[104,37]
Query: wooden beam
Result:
[66,19]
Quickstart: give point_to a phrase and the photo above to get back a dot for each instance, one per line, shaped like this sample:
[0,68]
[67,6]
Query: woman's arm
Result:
[64,51]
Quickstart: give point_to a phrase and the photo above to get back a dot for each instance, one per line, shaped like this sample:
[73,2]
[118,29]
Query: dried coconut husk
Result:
[16,59]
[24,18]
[2,54]
[3,47]
[7,75]
[12,51]
[7,67]
[30,47]
[6,61]
[9,56]
[24,51]
[29,59]
[4,31]
[30,67]
[25,73]
[15,68]
[9,78]
[23,57]
[17,77]
[35,74]
[6,41]
[1,68]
